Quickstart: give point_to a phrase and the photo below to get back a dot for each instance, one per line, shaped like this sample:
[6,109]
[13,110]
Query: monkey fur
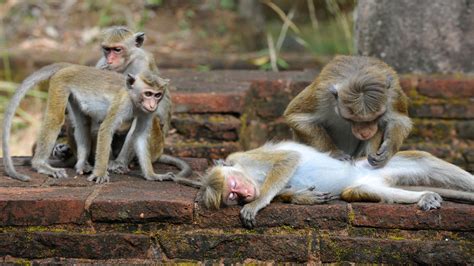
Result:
[355,107]
[99,95]
[303,175]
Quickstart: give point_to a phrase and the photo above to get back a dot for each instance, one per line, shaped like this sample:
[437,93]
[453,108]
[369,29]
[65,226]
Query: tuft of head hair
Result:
[366,94]
[212,185]
[115,34]
[153,80]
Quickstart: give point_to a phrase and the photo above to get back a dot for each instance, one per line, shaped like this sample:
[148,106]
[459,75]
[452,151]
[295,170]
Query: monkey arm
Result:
[306,196]
[283,165]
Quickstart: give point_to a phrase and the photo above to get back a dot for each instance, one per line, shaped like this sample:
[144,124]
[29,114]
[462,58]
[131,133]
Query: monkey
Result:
[304,175]
[101,95]
[123,53]
[355,107]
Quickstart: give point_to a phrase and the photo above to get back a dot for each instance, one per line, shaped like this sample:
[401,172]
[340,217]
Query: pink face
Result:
[114,55]
[150,99]
[238,189]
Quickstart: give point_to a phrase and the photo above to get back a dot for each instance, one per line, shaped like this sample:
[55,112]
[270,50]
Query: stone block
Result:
[143,201]
[42,205]
[216,127]
[414,36]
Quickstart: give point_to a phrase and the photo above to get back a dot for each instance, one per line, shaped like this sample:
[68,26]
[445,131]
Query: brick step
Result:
[180,147]
[207,126]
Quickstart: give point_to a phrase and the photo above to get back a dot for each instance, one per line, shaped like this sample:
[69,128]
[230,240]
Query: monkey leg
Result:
[426,200]
[307,196]
[50,128]
[82,137]
[156,140]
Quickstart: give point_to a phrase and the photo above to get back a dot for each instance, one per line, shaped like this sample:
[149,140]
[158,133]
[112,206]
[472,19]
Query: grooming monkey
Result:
[355,107]
[302,175]
[123,53]
[100,95]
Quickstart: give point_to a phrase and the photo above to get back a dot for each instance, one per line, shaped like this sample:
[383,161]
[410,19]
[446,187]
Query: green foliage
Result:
[227,4]
[154,2]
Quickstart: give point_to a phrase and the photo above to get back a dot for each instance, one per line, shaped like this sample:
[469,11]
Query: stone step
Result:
[216,126]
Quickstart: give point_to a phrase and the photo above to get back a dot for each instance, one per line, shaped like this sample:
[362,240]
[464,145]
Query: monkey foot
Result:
[83,169]
[158,177]
[51,171]
[311,196]
[118,167]
[99,179]
[430,200]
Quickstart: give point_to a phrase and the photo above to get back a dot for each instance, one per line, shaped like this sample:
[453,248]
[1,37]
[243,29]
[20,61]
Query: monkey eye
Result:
[117,49]
[106,49]
[148,94]
[233,196]
[158,95]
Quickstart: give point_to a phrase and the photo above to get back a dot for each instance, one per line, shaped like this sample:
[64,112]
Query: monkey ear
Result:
[333,90]
[130,79]
[139,39]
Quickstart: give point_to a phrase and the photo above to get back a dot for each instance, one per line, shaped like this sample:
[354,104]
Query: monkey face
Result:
[364,130]
[238,189]
[115,56]
[150,99]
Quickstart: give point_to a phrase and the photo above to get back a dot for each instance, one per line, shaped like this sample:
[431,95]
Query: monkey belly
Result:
[341,134]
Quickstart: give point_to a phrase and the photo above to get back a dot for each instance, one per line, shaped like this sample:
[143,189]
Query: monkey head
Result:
[146,90]
[227,185]
[361,101]
[117,45]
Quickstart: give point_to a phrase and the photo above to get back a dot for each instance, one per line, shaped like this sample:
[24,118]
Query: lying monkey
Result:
[100,95]
[293,170]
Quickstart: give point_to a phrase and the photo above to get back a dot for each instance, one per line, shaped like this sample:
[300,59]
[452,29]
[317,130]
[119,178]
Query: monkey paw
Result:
[61,151]
[380,158]
[99,179]
[161,177]
[430,200]
[341,156]
[83,169]
[310,196]
[52,171]
[118,167]
[247,216]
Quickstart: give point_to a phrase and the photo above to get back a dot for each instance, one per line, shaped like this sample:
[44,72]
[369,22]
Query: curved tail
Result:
[185,169]
[29,83]
[421,169]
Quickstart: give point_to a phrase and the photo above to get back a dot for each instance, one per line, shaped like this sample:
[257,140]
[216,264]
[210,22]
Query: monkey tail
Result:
[185,169]
[29,83]
[417,168]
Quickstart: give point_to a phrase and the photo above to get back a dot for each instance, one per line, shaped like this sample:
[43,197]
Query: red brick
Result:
[142,201]
[217,127]
[369,250]
[450,216]
[325,216]
[42,206]
[446,87]
[74,245]
[440,110]
[235,247]
[203,149]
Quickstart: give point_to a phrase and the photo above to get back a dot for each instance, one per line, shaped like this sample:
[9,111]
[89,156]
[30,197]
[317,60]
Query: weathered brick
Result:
[74,245]
[235,247]
[141,201]
[433,130]
[203,149]
[217,127]
[446,87]
[465,129]
[369,250]
[36,178]
[325,216]
[397,216]
[42,206]
[437,110]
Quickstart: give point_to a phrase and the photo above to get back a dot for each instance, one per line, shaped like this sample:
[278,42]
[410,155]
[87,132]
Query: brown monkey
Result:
[123,53]
[292,170]
[101,96]
[355,107]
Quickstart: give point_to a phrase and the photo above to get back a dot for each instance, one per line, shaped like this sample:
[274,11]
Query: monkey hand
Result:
[118,167]
[430,200]
[61,151]
[381,157]
[99,179]
[310,196]
[340,155]
[160,177]
[248,214]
